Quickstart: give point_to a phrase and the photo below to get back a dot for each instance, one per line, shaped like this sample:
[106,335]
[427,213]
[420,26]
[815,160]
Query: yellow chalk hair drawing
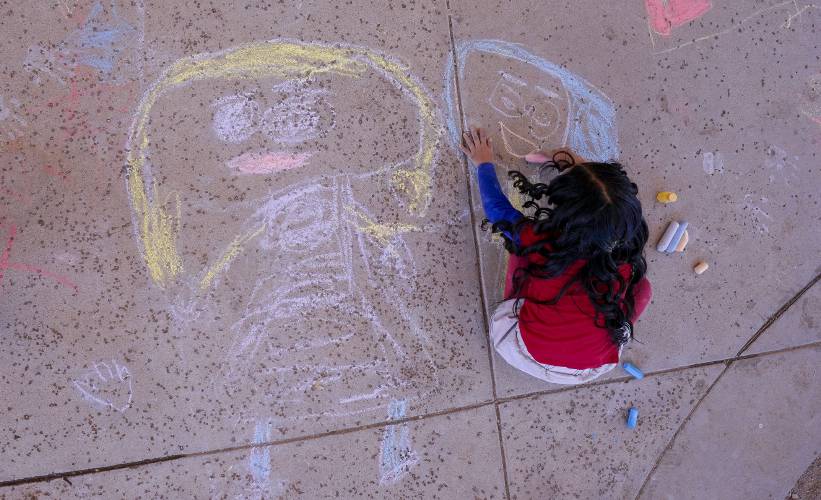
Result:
[157,228]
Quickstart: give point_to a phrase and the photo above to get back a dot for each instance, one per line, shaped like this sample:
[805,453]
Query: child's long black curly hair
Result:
[595,216]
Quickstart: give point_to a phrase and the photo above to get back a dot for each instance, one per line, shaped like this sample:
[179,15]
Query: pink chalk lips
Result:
[256,163]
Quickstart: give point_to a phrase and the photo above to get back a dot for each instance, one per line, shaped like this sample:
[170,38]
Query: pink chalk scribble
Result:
[19,266]
[266,163]
[664,15]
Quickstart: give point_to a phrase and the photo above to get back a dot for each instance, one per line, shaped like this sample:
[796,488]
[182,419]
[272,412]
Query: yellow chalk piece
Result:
[666,197]
[701,267]
[286,59]
[683,242]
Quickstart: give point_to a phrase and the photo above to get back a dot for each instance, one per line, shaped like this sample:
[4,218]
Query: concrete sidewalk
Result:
[244,259]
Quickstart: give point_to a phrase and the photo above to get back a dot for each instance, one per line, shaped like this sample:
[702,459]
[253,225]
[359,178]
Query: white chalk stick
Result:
[668,235]
[701,267]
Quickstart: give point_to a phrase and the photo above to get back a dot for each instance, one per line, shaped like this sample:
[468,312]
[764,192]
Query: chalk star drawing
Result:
[314,324]
[103,42]
[107,385]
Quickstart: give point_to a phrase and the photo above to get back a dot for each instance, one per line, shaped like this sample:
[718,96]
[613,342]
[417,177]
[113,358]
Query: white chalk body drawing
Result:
[316,232]
[712,163]
[12,124]
[323,326]
[107,384]
[396,457]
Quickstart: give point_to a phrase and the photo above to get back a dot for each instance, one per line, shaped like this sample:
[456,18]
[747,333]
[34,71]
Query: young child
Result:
[575,281]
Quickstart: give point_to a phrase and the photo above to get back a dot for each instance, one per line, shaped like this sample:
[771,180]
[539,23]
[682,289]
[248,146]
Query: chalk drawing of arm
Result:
[107,385]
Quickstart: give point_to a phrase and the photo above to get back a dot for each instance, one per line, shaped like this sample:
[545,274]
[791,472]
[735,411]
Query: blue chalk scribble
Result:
[397,457]
[98,43]
[259,462]
[591,116]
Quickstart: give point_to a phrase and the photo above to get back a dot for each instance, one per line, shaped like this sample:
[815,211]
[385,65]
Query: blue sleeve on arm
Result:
[497,207]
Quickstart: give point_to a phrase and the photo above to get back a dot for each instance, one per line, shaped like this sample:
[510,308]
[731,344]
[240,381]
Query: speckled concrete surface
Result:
[742,445]
[401,461]
[228,225]
[575,444]
[800,325]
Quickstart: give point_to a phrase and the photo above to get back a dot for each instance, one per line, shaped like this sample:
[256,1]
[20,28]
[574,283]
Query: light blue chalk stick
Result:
[633,370]
[632,418]
[671,247]
[664,242]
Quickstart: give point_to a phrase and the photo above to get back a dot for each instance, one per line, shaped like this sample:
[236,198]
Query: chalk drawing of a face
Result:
[531,104]
[311,287]
[534,102]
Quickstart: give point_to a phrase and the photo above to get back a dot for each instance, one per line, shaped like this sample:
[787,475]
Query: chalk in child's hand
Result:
[701,267]
[633,370]
[668,235]
[536,157]
[632,418]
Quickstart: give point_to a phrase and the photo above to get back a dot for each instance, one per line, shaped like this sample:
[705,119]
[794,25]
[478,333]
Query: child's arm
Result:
[497,207]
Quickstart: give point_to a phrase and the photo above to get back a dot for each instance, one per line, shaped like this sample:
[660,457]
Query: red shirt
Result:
[565,334]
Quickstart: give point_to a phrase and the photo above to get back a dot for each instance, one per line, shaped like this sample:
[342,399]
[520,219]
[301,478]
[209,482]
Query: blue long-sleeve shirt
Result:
[497,206]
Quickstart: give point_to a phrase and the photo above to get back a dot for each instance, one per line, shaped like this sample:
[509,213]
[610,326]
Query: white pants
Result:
[507,340]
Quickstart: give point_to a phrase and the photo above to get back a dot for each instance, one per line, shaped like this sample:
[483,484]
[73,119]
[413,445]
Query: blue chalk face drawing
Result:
[534,103]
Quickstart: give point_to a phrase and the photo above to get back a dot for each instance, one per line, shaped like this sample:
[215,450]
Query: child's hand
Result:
[476,145]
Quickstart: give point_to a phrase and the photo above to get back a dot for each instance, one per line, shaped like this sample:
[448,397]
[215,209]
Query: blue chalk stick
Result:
[632,418]
[671,247]
[633,370]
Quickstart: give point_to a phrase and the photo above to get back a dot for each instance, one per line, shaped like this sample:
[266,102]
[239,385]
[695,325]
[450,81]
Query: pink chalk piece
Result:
[253,163]
[536,157]
[664,15]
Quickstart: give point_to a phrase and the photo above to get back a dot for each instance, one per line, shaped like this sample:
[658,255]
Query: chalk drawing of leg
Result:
[397,457]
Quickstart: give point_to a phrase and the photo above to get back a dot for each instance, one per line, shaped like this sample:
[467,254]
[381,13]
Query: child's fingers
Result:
[481,135]
[468,138]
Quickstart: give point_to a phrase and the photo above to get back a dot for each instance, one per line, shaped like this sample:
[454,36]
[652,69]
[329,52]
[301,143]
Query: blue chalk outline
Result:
[591,116]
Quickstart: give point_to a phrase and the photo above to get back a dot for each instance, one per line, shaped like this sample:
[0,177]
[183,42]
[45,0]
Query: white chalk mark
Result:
[513,79]
[107,386]
[397,457]
[505,99]
[712,163]
[548,93]
[12,125]
[757,214]
[236,117]
[778,160]
[508,136]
